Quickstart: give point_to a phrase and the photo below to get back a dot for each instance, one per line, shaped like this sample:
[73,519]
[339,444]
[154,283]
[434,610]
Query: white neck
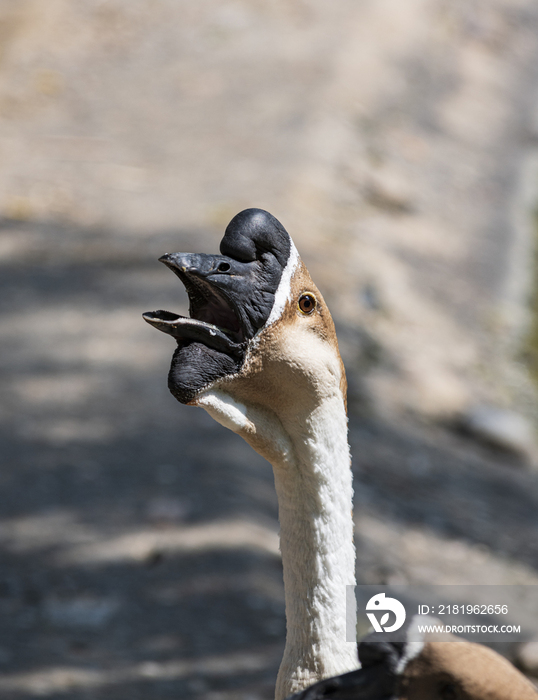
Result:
[313,481]
[316,539]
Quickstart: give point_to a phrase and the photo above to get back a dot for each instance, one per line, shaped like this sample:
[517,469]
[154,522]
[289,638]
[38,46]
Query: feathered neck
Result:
[310,456]
[316,539]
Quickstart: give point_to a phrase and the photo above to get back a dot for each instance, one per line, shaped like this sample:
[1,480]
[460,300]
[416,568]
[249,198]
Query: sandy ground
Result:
[139,539]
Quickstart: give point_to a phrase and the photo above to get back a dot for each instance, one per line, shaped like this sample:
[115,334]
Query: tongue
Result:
[193,330]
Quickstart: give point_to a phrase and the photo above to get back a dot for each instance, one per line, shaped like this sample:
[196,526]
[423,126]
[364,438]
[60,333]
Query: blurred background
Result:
[397,142]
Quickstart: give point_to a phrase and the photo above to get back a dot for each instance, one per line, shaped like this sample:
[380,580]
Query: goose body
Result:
[259,353]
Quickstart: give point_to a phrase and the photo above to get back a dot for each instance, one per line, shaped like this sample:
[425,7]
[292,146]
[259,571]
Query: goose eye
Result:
[448,691]
[307,303]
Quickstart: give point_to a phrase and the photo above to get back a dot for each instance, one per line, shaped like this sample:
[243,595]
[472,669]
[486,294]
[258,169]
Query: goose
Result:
[424,666]
[259,353]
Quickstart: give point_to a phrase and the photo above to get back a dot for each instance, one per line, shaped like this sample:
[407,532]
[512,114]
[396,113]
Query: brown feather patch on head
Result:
[297,353]
[460,670]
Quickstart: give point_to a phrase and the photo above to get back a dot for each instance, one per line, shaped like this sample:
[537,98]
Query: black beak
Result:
[230,300]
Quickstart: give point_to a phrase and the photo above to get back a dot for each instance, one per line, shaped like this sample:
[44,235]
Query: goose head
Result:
[424,666]
[259,329]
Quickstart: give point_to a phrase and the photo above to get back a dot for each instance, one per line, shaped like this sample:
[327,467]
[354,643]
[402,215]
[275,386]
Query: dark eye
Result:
[223,267]
[307,303]
[448,691]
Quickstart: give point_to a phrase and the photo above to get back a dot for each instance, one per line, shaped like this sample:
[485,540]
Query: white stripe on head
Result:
[283,292]
[412,650]
[415,641]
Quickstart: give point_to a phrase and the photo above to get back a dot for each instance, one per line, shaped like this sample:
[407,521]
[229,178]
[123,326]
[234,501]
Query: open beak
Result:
[213,320]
